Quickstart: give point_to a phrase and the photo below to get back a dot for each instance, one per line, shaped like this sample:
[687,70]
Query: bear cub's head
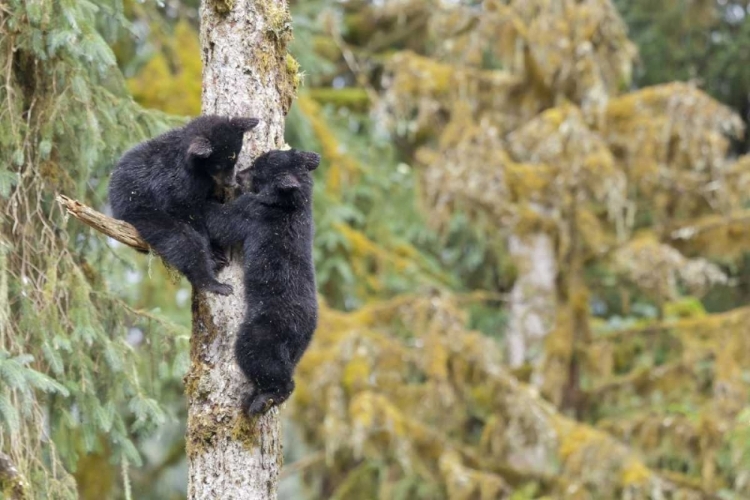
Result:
[283,177]
[213,144]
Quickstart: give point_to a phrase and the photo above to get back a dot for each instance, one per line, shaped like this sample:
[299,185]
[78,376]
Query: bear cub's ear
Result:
[200,147]
[244,124]
[311,160]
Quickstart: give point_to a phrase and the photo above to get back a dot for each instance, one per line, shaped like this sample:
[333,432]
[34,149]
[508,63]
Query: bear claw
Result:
[219,288]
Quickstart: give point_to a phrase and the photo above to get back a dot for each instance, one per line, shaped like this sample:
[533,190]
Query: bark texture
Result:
[117,229]
[246,72]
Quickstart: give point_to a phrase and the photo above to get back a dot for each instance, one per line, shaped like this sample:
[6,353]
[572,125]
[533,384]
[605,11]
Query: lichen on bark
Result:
[245,73]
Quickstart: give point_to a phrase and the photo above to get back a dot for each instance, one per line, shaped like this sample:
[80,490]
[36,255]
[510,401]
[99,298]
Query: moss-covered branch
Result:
[12,484]
[117,229]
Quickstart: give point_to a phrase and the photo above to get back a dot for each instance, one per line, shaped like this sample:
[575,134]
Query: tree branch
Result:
[117,229]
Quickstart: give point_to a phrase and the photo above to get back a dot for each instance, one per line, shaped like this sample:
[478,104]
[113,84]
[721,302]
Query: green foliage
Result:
[70,355]
[22,381]
[368,229]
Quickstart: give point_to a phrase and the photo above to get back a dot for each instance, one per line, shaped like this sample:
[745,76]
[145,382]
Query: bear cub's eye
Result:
[232,156]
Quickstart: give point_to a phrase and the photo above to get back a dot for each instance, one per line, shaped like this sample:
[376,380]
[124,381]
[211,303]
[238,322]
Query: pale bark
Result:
[246,72]
[117,229]
[532,300]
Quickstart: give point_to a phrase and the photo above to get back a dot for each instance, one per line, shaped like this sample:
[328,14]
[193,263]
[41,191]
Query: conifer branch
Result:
[117,229]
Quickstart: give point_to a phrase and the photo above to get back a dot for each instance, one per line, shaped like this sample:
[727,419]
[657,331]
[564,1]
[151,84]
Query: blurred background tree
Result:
[701,41]
[514,117]
[531,251]
[84,375]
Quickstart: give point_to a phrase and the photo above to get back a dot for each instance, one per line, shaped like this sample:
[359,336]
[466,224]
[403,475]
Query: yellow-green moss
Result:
[245,430]
[12,484]
[634,473]
[293,72]
[171,79]
[95,476]
[278,22]
[351,97]
[576,439]
[356,374]
[202,430]
[205,428]
[223,7]
[687,307]
[204,332]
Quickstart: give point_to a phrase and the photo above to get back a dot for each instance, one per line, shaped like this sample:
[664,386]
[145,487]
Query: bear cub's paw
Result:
[220,259]
[259,402]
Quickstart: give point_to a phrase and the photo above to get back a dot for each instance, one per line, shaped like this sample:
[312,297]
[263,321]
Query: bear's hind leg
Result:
[258,402]
[266,363]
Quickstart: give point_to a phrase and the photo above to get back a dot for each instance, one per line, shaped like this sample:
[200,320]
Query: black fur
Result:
[282,310]
[163,187]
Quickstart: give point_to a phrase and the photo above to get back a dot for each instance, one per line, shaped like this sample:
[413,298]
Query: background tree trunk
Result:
[532,300]
[246,72]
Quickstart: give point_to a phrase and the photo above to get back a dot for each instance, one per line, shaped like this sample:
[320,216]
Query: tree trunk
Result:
[246,72]
[12,485]
[532,300]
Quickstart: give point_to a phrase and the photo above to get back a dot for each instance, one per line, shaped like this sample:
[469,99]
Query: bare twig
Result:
[117,229]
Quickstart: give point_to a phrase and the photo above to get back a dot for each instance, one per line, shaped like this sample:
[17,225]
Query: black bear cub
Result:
[282,309]
[164,188]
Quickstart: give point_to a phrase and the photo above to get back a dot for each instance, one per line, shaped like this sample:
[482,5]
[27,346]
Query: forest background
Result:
[532,249]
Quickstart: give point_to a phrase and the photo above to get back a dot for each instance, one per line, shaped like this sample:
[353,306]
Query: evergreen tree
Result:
[77,366]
